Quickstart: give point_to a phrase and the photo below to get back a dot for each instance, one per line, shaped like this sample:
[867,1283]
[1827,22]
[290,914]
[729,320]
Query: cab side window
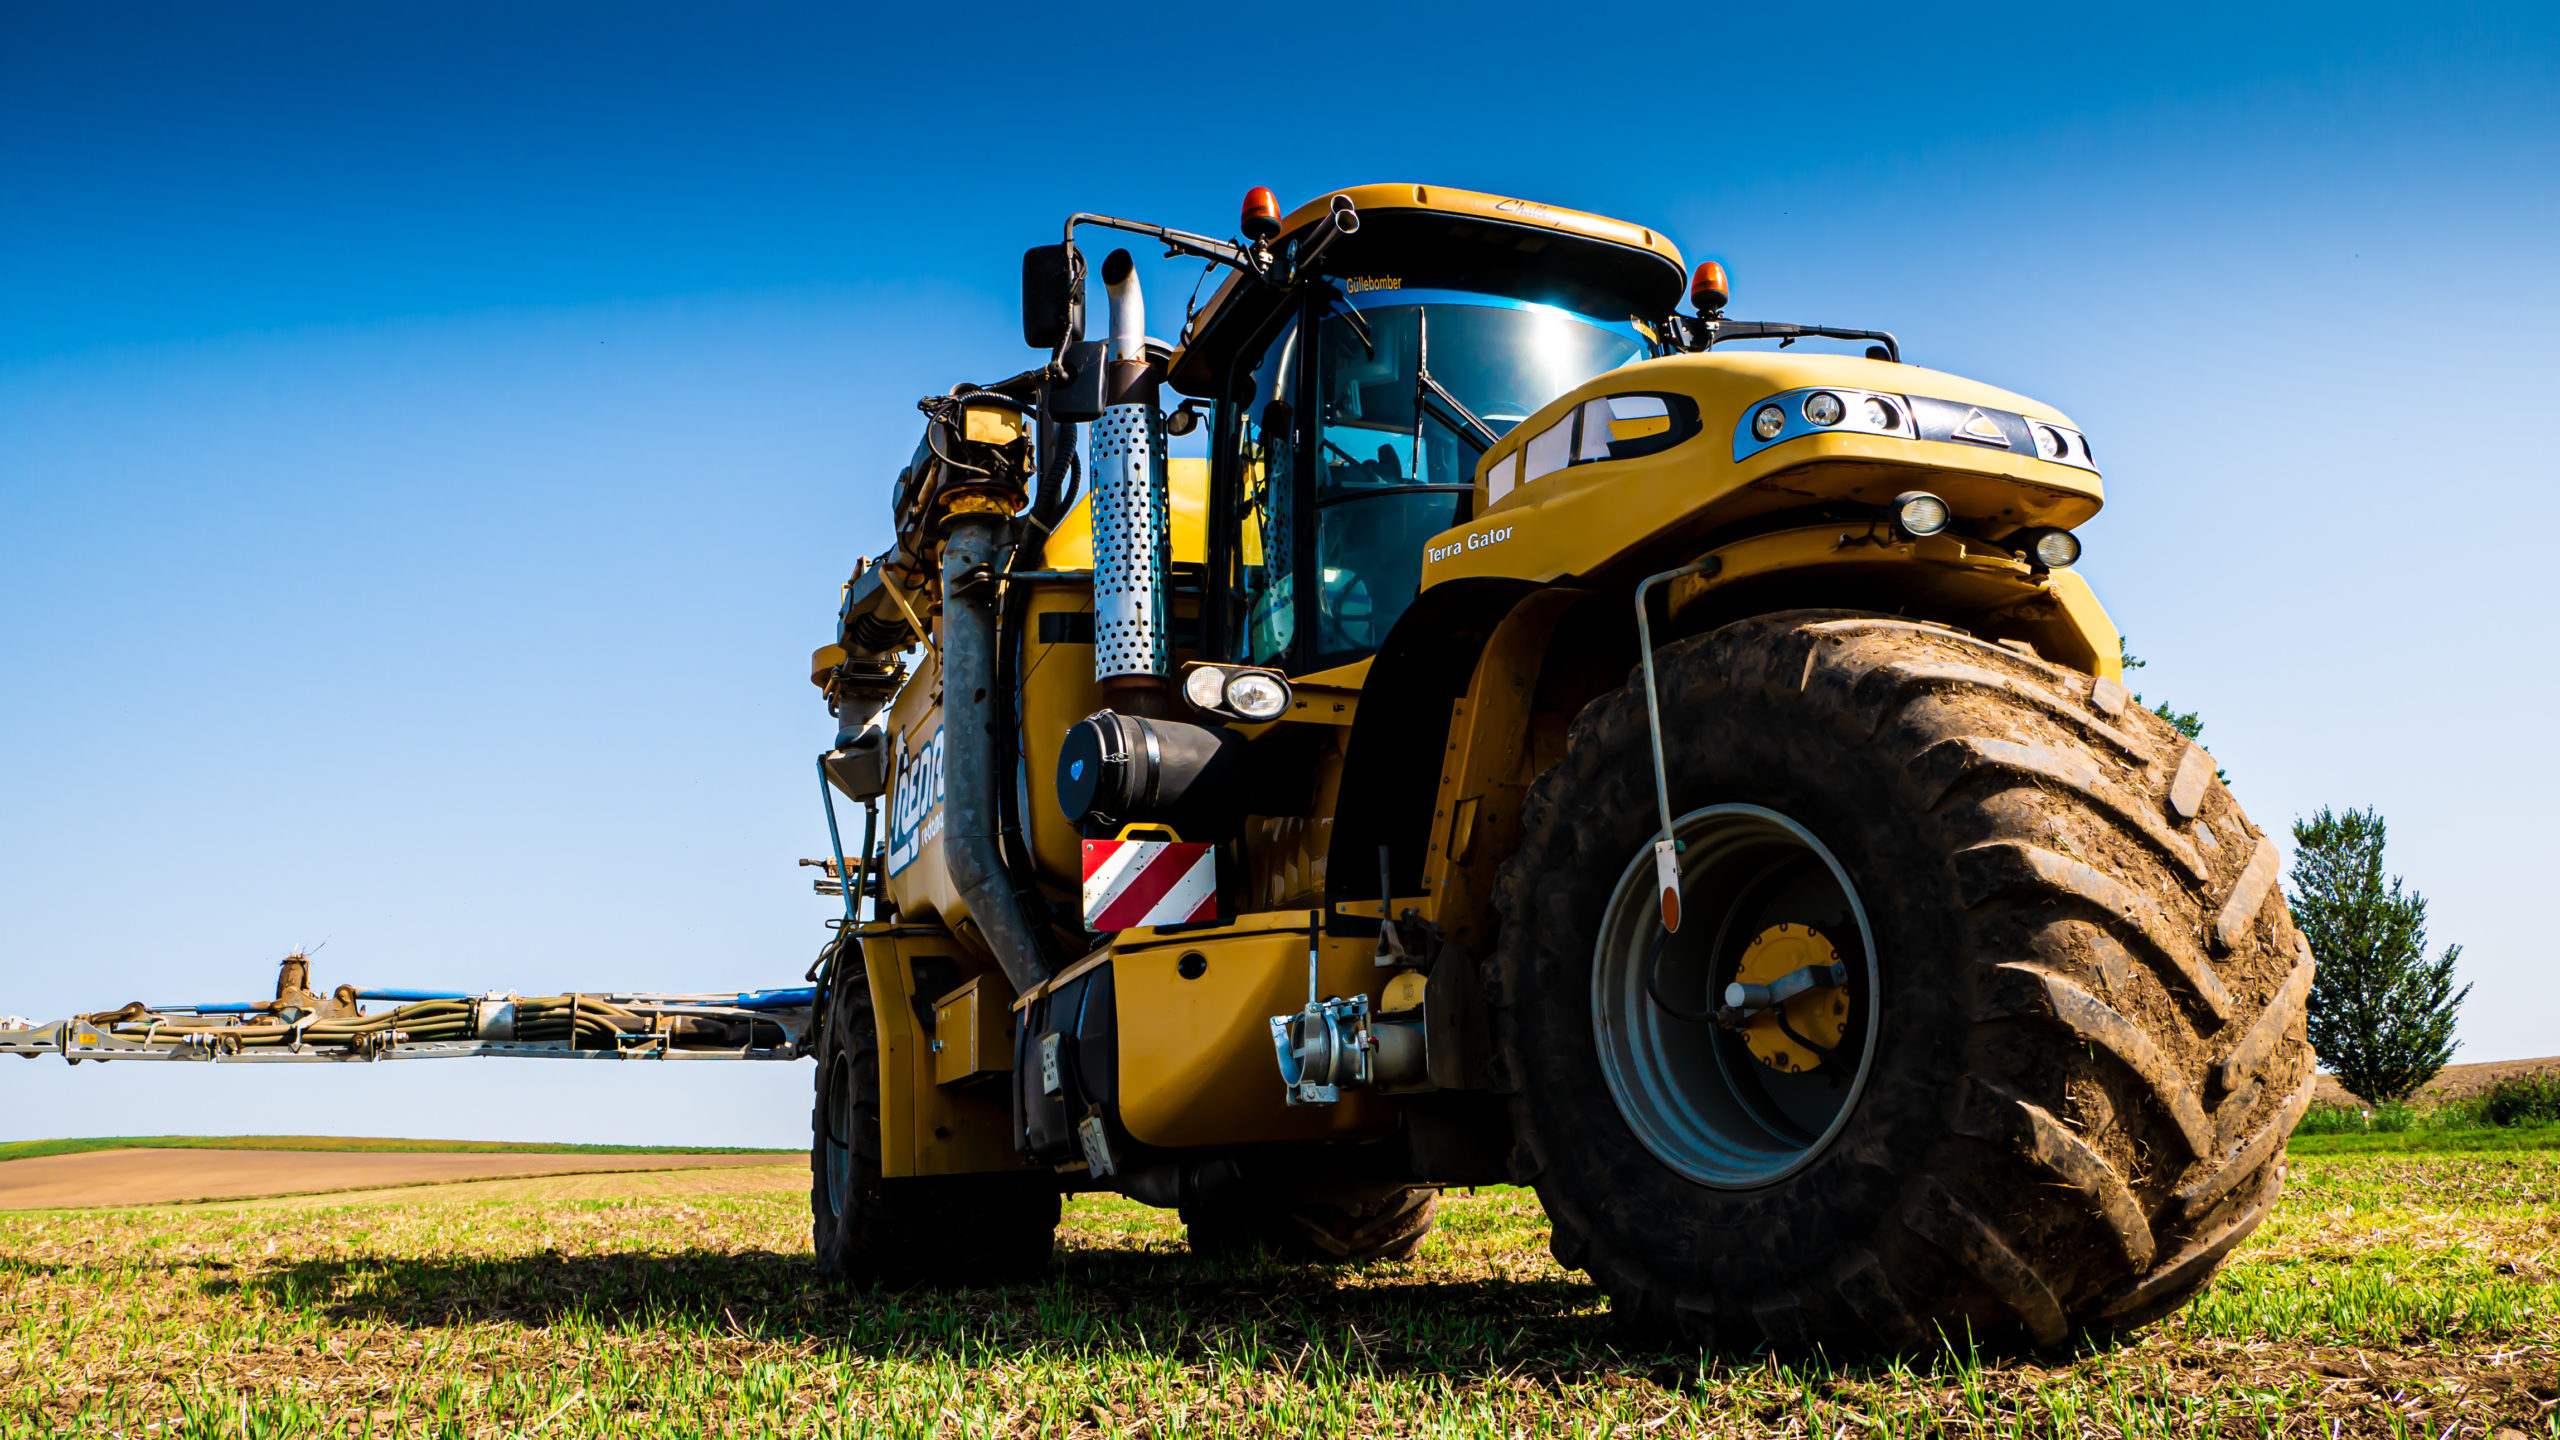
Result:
[1612,427]
[1393,473]
[1264,437]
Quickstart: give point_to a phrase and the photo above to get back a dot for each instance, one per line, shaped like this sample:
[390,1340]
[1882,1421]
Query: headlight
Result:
[1205,687]
[1236,692]
[1822,408]
[1768,422]
[1919,513]
[2057,549]
[2049,442]
[1256,695]
[1881,414]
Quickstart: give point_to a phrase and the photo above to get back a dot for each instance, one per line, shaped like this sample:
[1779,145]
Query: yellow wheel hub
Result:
[1820,1014]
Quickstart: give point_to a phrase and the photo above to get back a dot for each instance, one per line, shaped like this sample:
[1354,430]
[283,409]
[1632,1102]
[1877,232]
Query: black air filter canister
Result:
[1119,769]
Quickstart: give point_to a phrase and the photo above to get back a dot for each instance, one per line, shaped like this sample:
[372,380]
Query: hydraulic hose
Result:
[970,774]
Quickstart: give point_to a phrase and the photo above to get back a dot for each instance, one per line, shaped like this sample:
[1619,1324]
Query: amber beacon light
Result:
[1708,289]
[1261,215]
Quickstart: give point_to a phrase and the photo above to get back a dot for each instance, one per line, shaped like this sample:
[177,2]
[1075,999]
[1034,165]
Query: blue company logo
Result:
[915,807]
[1076,771]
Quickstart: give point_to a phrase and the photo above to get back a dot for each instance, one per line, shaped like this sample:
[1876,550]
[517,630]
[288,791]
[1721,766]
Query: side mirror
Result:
[1048,295]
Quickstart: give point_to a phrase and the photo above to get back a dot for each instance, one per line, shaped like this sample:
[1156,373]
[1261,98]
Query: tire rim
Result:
[1692,1091]
[835,1145]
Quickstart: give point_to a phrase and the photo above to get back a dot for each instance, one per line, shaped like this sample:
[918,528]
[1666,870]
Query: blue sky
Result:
[431,438]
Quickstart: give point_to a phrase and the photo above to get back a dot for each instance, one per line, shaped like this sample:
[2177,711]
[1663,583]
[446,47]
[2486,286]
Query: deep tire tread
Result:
[939,1230]
[2113,959]
[2039,992]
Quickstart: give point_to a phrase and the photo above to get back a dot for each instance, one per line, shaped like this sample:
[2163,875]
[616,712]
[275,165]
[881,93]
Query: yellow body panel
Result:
[922,887]
[1058,689]
[1580,519]
[1070,546]
[927,1128]
[972,1038]
[1450,200]
[1943,577]
[1475,822]
[1196,1061]
[823,662]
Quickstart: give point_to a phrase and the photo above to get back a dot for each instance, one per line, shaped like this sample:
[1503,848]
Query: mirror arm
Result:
[1701,334]
[1177,242]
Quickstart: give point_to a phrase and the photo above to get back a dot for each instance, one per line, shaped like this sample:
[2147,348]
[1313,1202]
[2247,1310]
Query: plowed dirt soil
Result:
[163,1177]
[2455,1082]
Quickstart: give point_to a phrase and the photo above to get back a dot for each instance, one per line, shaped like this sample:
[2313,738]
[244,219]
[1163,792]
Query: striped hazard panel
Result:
[1129,883]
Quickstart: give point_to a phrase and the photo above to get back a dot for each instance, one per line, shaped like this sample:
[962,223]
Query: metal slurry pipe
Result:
[970,552]
[1132,521]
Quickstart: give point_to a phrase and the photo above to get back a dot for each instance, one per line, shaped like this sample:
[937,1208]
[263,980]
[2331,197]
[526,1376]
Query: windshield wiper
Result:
[1359,326]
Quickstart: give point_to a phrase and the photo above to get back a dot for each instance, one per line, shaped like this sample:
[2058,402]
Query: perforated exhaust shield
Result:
[1132,544]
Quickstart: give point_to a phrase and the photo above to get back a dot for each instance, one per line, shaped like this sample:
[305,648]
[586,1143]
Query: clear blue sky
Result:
[431,437]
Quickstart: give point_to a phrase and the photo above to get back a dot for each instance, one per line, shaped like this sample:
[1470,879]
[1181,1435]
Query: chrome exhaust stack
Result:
[1132,519]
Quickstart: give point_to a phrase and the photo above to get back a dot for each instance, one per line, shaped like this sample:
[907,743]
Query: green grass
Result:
[2428,1141]
[30,1149]
[2388,1296]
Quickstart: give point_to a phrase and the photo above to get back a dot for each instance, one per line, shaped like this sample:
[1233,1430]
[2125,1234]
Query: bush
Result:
[2331,1120]
[2520,1100]
[2393,1118]
[2523,1100]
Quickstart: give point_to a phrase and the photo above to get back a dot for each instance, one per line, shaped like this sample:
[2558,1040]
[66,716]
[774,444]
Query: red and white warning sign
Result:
[1129,883]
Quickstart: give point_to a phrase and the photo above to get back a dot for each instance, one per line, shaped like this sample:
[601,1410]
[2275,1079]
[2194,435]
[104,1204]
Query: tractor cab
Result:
[1351,409]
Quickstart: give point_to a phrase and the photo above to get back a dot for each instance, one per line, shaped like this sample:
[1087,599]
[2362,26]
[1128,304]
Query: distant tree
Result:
[2381,1011]
[2185,722]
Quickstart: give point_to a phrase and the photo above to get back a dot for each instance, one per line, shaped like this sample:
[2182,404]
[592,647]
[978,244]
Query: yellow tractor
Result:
[1533,746]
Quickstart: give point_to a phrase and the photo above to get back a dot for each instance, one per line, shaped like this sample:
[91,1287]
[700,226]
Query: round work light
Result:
[1257,696]
[1919,513]
[1205,687]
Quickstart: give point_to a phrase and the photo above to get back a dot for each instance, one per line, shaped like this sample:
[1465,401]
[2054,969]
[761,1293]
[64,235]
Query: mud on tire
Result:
[2089,1043]
[959,1229]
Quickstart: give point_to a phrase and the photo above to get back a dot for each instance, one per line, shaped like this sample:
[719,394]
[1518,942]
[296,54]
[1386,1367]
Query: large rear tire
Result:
[2053,1093]
[938,1230]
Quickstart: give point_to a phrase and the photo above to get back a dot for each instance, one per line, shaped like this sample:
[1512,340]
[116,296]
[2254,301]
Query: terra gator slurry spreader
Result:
[1536,744]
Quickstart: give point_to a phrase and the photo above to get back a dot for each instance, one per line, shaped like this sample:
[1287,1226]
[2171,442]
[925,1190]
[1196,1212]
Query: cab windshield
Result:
[1410,388]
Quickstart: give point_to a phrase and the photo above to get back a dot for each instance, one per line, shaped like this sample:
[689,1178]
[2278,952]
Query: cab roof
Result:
[1456,239]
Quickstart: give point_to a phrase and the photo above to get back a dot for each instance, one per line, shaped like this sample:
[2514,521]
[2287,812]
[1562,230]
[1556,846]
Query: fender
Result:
[1392,766]
[1471,696]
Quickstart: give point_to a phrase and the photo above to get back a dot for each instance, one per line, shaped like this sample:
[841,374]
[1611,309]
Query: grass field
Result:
[2405,1295]
[33,1149]
[2431,1142]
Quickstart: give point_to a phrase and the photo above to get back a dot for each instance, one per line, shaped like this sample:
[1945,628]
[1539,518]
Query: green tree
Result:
[2381,1011]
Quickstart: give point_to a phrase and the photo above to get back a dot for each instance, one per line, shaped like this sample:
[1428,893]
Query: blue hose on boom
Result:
[826,792]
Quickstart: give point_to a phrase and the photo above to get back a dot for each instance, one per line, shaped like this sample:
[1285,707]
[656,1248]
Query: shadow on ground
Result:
[1256,1311]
